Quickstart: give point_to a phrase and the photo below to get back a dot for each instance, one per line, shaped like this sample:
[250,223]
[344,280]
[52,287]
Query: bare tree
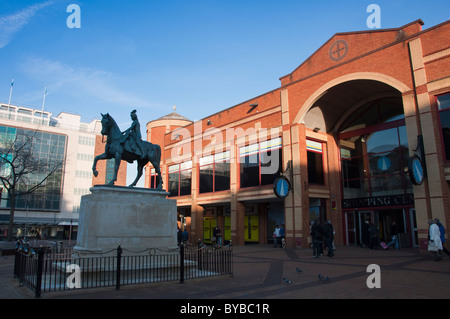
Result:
[22,170]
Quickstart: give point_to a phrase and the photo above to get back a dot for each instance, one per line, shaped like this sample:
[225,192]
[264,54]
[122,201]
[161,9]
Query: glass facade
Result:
[443,102]
[374,159]
[44,148]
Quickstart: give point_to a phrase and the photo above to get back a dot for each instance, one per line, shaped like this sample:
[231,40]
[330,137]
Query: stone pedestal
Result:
[134,218]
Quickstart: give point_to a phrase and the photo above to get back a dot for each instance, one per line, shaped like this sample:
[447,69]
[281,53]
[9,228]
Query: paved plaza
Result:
[264,272]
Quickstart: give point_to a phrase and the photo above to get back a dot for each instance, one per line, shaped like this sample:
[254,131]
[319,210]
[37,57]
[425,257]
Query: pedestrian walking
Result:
[365,234]
[276,236]
[316,236]
[282,236]
[218,235]
[184,236]
[328,236]
[373,231]
[434,240]
[178,235]
[442,233]
[394,236]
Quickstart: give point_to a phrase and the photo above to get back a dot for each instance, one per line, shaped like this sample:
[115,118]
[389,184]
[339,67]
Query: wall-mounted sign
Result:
[379,201]
[416,170]
[384,163]
[281,187]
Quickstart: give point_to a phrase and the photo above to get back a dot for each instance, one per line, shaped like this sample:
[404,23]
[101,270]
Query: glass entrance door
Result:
[350,219]
[208,226]
[362,231]
[251,229]
[355,226]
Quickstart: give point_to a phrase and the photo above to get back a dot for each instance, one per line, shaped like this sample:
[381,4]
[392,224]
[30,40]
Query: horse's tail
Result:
[158,153]
[158,160]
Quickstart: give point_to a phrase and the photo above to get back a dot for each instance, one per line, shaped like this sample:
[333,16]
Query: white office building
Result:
[52,211]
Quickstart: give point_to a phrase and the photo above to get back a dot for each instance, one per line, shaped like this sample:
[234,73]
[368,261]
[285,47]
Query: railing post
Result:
[40,262]
[199,255]
[182,263]
[17,264]
[119,257]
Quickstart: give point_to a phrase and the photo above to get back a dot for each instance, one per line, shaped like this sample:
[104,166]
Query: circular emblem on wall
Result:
[281,187]
[338,50]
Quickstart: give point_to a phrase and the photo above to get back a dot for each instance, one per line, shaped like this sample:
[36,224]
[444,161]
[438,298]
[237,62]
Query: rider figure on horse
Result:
[134,132]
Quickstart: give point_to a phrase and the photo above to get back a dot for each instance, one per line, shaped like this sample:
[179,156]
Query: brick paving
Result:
[259,271]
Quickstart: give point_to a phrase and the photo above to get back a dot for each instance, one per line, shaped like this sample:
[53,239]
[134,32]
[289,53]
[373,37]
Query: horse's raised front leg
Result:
[94,166]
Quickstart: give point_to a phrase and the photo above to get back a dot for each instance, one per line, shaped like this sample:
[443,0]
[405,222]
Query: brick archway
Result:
[319,93]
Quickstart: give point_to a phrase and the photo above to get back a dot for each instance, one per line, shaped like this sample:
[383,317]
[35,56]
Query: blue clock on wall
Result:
[281,187]
[416,170]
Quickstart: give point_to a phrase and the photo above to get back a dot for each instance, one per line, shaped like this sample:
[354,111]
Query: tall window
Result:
[180,176]
[443,103]
[260,164]
[215,173]
[315,162]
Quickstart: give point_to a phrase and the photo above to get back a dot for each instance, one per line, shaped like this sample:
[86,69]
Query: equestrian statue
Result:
[128,146]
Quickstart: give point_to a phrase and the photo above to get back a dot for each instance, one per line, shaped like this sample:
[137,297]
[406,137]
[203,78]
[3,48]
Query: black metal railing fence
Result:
[47,270]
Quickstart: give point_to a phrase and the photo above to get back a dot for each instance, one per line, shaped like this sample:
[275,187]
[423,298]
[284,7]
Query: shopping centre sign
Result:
[379,201]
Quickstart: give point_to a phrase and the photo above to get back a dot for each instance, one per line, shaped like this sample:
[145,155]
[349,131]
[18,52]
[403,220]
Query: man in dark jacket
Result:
[365,234]
[373,231]
[328,234]
[394,235]
[442,231]
[316,235]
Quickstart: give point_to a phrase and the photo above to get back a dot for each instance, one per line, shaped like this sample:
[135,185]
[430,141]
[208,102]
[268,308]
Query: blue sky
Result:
[201,55]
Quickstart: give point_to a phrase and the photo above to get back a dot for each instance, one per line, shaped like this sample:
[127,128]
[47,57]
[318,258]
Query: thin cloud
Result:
[80,82]
[10,25]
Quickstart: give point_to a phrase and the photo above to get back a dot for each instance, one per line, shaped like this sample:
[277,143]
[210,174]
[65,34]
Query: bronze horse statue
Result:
[123,150]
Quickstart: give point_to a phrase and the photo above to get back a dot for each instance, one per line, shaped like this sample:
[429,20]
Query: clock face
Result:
[281,187]
[416,172]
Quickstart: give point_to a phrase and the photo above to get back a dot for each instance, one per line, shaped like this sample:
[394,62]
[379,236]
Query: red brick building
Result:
[342,128]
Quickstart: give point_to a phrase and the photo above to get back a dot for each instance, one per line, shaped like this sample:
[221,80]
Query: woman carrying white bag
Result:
[434,240]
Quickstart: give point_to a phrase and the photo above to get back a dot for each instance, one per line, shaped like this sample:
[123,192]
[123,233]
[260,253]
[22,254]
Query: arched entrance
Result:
[366,117]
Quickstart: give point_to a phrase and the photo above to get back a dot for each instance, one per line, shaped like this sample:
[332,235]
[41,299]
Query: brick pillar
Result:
[429,197]
[299,204]
[335,205]
[196,222]
[262,215]
[196,210]
[237,221]
[289,205]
